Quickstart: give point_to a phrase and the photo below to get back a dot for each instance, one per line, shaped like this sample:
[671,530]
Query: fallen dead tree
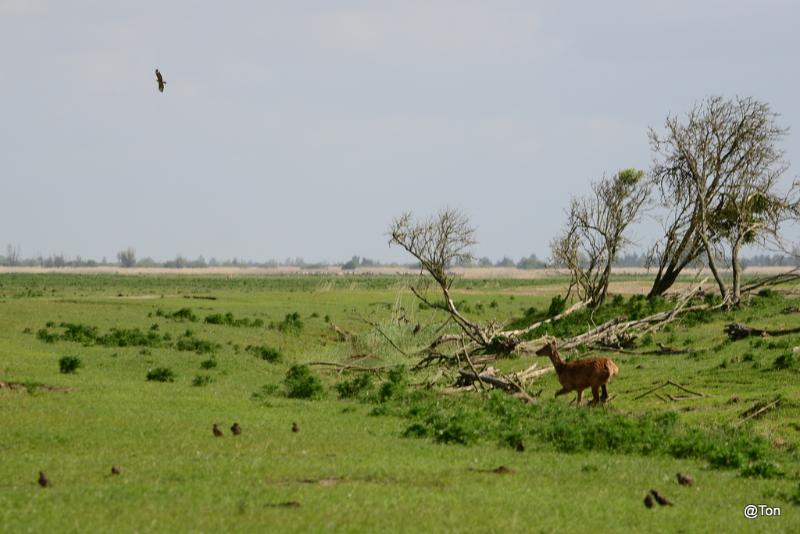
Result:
[782,278]
[737,331]
[444,240]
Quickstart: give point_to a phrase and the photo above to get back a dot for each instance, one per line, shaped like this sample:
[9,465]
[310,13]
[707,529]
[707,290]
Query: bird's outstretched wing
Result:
[160,80]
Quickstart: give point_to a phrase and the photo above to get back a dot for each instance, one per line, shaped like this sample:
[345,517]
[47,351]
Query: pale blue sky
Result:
[301,128]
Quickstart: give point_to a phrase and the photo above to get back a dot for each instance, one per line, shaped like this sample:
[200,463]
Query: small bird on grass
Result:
[520,447]
[236,429]
[116,470]
[417,328]
[43,480]
[660,499]
[684,479]
[295,427]
[217,432]
[648,501]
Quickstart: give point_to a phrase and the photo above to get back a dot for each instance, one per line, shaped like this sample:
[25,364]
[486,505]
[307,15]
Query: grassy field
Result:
[394,460]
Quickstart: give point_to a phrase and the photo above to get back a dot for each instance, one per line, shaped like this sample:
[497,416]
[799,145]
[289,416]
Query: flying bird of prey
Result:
[160,80]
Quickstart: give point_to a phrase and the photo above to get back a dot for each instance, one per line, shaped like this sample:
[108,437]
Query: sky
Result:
[300,129]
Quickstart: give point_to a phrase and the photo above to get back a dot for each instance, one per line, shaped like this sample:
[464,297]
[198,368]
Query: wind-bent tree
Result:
[595,232]
[702,163]
[438,243]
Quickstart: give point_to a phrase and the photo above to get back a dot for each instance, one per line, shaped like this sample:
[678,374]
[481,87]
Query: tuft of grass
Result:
[211,363]
[69,364]
[161,374]
[201,380]
[785,361]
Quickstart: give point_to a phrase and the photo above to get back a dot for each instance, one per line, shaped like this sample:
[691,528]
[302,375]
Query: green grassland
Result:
[394,458]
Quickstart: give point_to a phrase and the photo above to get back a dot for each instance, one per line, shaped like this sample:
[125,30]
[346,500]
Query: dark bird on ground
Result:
[116,470]
[417,329]
[236,429]
[161,82]
[43,480]
[684,479]
[295,427]
[660,499]
[520,447]
[217,432]
[648,501]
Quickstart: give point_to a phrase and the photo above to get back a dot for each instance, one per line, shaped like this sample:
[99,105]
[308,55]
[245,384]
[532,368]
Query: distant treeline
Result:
[127,258]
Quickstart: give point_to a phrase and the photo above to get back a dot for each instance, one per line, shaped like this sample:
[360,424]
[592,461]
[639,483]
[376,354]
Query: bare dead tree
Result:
[720,144]
[438,243]
[595,232]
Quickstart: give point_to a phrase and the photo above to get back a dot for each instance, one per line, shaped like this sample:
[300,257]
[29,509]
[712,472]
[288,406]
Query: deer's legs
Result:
[604,397]
[595,396]
[580,396]
[561,391]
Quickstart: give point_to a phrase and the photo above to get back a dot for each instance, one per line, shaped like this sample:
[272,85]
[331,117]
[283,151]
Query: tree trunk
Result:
[737,272]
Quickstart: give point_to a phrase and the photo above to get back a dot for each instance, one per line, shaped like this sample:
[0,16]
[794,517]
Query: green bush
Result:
[229,320]
[265,353]
[69,364]
[129,337]
[184,314]
[161,374]
[189,343]
[395,385]
[44,335]
[359,387]
[291,324]
[301,383]
[557,305]
[79,333]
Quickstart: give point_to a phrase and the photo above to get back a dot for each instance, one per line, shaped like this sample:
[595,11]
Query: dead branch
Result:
[757,412]
[662,350]
[674,384]
[737,331]
[382,333]
[346,367]
[472,367]
[572,309]
[774,280]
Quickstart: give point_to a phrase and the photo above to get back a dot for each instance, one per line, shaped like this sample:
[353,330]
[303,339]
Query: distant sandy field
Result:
[475,272]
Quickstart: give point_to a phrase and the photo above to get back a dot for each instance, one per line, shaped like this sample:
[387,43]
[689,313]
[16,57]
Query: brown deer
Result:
[578,375]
